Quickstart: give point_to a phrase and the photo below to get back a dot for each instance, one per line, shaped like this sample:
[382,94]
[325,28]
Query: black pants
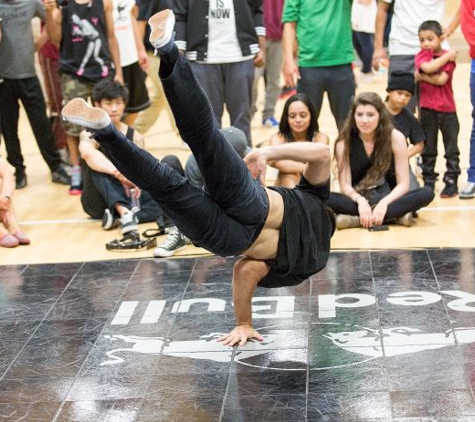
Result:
[448,124]
[410,202]
[227,217]
[101,191]
[337,81]
[28,91]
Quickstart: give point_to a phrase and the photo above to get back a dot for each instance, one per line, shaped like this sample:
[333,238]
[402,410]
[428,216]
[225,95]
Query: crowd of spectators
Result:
[99,50]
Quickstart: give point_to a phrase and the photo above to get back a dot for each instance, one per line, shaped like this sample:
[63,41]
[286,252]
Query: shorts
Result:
[134,80]
[73,87]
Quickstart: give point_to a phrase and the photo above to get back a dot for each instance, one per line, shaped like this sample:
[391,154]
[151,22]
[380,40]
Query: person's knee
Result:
[174,162]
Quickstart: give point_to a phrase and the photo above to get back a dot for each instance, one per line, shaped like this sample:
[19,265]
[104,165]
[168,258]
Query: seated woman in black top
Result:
[370,152]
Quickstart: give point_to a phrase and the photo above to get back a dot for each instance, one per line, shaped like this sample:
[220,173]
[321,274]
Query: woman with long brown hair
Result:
[297,124]
[373,170]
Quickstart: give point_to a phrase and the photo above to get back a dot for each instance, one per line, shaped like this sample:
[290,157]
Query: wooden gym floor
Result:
[61,232]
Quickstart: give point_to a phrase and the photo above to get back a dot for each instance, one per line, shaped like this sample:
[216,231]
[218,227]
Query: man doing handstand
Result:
[282,234]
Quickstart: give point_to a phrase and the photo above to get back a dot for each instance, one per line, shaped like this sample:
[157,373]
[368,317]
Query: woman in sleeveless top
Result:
[298,123]
[369,152]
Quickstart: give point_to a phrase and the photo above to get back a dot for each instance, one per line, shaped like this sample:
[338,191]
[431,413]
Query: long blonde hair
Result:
[382,152]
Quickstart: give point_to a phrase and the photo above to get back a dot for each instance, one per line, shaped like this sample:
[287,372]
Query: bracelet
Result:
[358,197]
[8,197]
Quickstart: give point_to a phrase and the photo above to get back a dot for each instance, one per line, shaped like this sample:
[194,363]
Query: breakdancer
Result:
[283,235]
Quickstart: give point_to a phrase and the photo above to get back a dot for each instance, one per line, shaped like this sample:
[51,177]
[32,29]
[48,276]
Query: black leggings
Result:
[227,217]
[410,202]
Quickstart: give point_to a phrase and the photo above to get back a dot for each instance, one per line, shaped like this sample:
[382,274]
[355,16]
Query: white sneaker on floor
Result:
[161,25]
[468,191]
[79,112]
[174,242]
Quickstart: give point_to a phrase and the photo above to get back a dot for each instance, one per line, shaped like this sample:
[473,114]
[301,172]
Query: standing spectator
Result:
[434,70]
[373,170]
[403,37]
[272,69]
[133,58]
[363,16]
[223,40]
[158,101]
[325,52]
[467,20]
[48,59]
[19,82]
[88,52]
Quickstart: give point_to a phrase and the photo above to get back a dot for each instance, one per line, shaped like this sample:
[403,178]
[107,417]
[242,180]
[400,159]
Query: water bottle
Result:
[383,66]
[135,202]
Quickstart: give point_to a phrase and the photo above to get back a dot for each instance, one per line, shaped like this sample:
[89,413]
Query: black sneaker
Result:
[108,220]
[60,176]
[20,179]
[174,242]
[450,190]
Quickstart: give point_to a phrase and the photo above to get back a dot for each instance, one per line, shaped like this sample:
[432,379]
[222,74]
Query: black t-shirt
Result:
[410,127]
[304,242]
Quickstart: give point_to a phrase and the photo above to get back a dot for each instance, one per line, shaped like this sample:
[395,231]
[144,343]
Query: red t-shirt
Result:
[436,97]
[467,22]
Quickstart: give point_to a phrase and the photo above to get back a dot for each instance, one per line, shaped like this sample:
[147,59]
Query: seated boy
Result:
[107,194]
[401,87]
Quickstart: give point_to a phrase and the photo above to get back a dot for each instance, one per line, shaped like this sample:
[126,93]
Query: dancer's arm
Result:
[246,275]
[315,155]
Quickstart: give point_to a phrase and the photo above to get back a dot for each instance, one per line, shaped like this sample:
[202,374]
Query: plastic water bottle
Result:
[383,66]
[135,202]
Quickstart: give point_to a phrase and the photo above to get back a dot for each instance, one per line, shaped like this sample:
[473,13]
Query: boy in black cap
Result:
[400,90]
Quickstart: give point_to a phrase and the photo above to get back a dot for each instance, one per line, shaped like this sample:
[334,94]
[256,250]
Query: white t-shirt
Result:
[124,31]
[408,15]
[363,17]
[223,44]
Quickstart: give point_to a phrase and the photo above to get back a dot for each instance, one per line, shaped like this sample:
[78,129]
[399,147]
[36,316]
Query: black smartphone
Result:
[382,228]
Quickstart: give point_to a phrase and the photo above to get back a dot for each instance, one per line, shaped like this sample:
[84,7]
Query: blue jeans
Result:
[471,169]
[227,217]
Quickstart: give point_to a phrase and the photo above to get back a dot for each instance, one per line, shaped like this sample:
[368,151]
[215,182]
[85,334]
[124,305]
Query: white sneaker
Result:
[161,25]
[129,221]
[174,242]
[468,191]
[79,112]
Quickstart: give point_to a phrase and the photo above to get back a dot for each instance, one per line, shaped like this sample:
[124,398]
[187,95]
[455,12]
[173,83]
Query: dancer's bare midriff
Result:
[265,246]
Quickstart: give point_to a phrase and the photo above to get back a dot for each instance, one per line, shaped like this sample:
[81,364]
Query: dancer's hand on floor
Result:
[240,335]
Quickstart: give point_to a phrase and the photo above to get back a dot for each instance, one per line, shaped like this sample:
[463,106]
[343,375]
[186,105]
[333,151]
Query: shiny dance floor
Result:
[376,336]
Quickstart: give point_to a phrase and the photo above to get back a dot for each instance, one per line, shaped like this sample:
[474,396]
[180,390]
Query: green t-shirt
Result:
[323,31]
